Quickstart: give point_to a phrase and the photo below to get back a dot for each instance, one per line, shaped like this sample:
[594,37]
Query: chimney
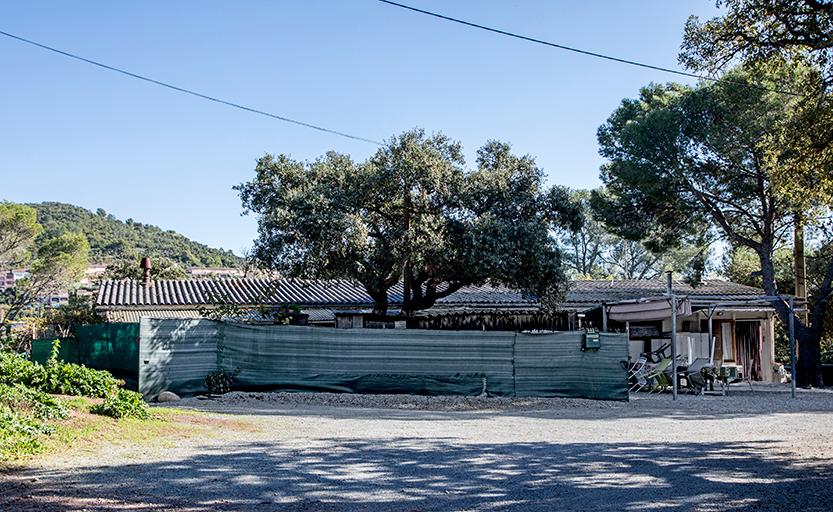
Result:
[145,266]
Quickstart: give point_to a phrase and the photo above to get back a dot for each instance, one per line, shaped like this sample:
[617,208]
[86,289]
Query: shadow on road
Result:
[415,474]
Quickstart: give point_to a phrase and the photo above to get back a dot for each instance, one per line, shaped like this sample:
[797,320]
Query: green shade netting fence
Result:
[177,354]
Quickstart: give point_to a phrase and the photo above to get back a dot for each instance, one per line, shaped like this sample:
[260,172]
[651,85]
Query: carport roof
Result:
[594,292]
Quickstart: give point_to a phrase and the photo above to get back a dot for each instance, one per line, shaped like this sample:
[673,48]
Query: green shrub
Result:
[123,404]
[40,405]
[827,351]
[56,376]
[26,405]
[15,368]
[219,382]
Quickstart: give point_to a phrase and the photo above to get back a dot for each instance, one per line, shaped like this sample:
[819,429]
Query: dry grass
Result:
[87,433]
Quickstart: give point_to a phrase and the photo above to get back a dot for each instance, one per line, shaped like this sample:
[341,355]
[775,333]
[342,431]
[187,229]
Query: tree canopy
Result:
[54,265]
[18,229]
[762,31]
[413,214]
[713,158]
[594,252]
[780,37]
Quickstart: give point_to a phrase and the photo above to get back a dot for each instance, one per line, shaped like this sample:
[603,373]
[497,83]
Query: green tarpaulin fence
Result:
[177,354]
[112,346]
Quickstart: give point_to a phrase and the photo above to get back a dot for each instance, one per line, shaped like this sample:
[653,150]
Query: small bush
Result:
[123,404]
[219,382]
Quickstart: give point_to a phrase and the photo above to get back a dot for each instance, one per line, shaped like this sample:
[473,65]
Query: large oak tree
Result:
[413,214]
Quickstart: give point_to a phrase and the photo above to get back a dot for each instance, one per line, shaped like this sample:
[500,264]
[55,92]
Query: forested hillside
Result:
[111,238]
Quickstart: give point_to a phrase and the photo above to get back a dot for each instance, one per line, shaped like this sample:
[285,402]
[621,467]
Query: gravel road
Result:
[309,452]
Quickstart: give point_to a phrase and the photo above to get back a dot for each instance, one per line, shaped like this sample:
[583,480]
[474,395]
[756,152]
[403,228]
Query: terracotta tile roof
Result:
[198,292]
[192,293]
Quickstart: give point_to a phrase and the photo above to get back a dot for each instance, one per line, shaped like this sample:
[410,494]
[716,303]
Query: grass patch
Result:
[26,417]
[83,431]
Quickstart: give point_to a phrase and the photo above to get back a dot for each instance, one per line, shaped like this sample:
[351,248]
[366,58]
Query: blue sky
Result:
[74,133]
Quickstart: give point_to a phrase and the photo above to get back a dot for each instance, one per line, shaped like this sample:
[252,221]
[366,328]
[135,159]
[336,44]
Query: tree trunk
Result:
[808,339]
[808,367]
[406,264]
[407,288]
[380,302]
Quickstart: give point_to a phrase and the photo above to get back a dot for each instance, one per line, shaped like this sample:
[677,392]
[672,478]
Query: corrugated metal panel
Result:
[320,315]
[598,291]
[176,354]
[136,315]
[555,365]
[186,292]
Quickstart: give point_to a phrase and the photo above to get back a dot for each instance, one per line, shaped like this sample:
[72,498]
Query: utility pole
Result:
[673,301]
[604,317]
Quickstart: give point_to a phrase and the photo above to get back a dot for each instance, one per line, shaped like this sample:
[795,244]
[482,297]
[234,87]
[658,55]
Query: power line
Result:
[576,50]
[189,91]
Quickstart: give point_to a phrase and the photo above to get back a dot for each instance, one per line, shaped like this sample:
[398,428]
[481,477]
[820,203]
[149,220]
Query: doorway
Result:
[749,341]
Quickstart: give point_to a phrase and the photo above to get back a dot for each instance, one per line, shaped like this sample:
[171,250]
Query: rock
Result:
[167,396]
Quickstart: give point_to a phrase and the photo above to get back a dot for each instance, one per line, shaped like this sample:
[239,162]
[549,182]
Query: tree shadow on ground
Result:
[436,475]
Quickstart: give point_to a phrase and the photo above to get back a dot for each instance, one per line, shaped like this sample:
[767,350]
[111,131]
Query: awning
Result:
[655,308]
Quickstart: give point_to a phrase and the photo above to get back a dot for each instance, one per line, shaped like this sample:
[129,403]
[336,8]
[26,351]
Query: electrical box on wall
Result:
[591,341]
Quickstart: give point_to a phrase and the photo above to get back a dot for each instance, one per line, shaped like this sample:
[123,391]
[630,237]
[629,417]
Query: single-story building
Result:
[328,303]
[741,322]
[740,319]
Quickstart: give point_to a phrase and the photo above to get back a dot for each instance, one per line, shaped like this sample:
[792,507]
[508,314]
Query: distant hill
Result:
[111,238]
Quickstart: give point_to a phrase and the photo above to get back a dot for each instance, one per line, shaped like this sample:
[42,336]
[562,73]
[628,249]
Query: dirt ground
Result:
[749,451]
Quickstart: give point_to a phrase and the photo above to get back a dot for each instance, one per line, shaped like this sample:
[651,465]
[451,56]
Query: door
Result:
[727,341]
